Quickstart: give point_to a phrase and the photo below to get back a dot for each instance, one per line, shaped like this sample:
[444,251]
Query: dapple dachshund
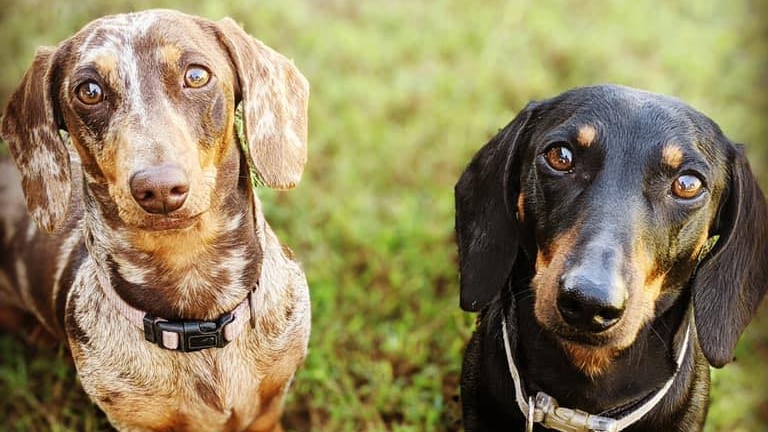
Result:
[147,250]
[616,244]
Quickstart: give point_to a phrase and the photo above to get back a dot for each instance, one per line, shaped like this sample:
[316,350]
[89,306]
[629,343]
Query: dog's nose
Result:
[160,189]
[588,305]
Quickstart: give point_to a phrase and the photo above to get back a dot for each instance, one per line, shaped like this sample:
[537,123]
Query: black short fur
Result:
[615,201]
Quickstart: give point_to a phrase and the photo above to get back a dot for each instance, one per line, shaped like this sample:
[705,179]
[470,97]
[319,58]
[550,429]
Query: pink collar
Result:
[184,335]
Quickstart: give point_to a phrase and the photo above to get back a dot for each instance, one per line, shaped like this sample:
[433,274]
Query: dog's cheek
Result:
[545,291]
[645,285]
[216,144]
[521,206]
[100,150]
[85,142]
[550,265]
[111,163]
[212,121]
[650,276]
[86,146]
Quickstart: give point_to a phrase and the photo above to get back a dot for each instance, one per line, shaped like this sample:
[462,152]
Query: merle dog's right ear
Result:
[31,126]
[486,228]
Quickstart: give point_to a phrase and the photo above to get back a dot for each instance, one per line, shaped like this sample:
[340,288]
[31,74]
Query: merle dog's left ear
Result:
[729,285]
[486,229]
[275,96]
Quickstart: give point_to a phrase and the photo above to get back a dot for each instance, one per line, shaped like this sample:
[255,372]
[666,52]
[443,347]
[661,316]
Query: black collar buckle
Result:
[193,335]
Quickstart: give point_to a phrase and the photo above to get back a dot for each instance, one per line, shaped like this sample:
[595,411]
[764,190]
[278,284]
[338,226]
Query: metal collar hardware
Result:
[544,409]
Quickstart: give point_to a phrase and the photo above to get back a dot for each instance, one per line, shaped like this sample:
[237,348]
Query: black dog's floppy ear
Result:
[31,129]
[486,231]
[729,285]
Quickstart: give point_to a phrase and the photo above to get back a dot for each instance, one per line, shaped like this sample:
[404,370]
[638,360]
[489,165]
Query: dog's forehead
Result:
[620,116]
[625,106]
[118,35]
[113,34]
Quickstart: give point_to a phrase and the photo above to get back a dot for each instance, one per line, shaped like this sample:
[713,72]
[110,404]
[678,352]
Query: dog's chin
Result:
[614,338]
[585,340]
[165,223]
[591,353]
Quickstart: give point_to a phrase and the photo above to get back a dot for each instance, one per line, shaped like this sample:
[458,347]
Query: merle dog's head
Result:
[616,195]
[149,101]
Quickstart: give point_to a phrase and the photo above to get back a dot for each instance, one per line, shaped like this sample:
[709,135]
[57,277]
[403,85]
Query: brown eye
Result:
[89,93]
[196,77]
[687,186]
[559,158]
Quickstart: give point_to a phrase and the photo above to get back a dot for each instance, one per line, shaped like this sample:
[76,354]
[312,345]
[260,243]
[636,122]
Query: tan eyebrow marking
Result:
[106,63]
[586,135]
[170,54]
[672,155]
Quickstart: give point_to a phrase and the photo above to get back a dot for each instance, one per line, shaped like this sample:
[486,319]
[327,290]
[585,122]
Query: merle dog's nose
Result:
[590,305]
[160,189]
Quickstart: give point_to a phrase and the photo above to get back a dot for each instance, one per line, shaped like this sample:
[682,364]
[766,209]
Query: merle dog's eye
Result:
[89,93]
[560,158]
[196,77]
[687,186]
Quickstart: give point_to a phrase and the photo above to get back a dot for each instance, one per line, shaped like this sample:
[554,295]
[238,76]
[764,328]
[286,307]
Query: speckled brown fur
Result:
[195,262]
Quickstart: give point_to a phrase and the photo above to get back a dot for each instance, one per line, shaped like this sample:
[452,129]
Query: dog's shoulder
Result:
[283,293]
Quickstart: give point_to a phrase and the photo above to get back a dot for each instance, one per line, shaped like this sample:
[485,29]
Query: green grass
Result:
[403,93]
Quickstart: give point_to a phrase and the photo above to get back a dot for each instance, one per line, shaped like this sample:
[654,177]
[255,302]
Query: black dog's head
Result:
[616,195]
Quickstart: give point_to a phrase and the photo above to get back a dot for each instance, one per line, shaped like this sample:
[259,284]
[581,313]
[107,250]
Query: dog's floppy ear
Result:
[31,129]
[486,228]
[274,97]
[729,284]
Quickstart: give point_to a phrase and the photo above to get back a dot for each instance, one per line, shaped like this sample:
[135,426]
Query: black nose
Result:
[160,189]
[590,306]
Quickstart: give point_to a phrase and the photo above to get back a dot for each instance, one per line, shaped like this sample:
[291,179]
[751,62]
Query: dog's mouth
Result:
[168,222]
[134,216]
[584,339]
[592,353]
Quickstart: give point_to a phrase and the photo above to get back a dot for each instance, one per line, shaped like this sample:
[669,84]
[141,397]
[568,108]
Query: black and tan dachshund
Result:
[616,233]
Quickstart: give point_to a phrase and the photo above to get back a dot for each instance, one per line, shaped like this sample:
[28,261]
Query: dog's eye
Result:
[560,158]
[196,77]
[89,93]
[687,186]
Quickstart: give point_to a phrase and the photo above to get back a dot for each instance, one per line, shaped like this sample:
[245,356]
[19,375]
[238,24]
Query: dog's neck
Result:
[199,272]
[544,362]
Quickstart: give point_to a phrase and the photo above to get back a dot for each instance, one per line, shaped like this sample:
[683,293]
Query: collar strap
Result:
[183,335]
[544,408]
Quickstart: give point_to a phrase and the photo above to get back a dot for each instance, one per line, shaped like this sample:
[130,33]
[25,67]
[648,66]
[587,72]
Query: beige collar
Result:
[545,410]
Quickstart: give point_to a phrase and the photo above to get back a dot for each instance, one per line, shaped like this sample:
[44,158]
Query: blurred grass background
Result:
[403,93]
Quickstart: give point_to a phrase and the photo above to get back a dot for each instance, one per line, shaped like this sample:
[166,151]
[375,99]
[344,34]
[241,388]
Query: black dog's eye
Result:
[560,158]
[89,93]
[687,186]
[196,77]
